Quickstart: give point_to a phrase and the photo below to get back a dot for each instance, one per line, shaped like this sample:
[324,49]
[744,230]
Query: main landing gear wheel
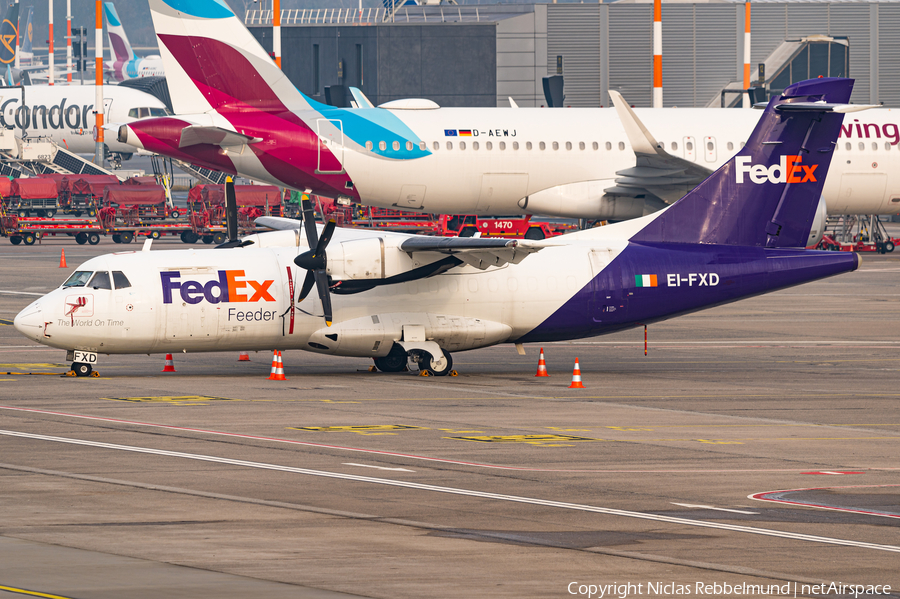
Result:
[429,365]
[395,361]
[81,369]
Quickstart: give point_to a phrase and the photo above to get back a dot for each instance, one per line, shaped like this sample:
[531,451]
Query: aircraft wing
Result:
[475,251]
[278,223]
[656,171]
[199,134]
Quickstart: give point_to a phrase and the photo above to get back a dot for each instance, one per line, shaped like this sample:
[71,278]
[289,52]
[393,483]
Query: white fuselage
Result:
[167,306]
[65,114]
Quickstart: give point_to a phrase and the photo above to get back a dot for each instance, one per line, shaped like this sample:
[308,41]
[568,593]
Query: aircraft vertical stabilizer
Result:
[118,39]
[767,194]
[213,62]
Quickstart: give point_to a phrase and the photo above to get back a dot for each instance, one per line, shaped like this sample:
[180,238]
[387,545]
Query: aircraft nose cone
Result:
[29,321]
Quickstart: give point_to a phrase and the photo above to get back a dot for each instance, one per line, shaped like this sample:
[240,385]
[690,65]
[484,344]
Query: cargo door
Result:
[608,302]
[501,190]
[331,147]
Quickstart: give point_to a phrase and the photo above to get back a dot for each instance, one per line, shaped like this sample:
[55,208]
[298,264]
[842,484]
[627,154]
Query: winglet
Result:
[642,141]
[360,98]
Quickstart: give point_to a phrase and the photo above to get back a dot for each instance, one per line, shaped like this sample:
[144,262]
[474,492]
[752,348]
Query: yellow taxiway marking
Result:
[366,429]
[35,365]
[181,400]
[31,593]
[541,440]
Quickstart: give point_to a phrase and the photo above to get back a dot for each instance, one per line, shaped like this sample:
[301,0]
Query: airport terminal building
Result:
[480,55]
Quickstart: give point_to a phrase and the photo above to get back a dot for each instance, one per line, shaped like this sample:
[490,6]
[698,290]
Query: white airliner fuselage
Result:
[65,114]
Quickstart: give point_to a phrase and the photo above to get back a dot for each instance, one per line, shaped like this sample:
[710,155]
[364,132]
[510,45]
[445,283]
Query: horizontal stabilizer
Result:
[198,134]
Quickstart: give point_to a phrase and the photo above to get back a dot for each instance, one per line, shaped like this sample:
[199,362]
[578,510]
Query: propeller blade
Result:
[309,222]
[327,232]
[308,283]
[231,212]
[324,295]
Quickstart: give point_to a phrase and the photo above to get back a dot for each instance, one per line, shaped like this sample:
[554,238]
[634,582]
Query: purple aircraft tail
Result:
[767,194]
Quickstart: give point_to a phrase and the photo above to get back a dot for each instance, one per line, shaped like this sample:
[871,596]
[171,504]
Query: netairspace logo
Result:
[720,589]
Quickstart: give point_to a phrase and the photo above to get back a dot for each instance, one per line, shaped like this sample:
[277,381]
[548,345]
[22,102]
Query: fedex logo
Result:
[788,170]
[229,287]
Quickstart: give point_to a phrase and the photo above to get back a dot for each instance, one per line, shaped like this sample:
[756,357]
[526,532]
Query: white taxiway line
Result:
[465,492]
[378,467]
[709,507]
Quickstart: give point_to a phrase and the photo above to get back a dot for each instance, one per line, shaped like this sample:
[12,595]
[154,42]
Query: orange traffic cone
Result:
[170,364]
[542,366]
[576,377]
[62,259]
[244,357]
[277,368]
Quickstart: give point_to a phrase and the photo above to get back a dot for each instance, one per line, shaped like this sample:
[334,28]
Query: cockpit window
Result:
[79,278]
[120,279]
[144,112]
[100,280]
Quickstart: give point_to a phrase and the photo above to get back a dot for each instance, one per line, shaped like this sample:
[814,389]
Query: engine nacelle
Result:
[372,258]
[583,200]
[374,335]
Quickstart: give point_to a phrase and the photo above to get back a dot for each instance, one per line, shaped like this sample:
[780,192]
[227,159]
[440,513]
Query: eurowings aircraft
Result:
[399,298]
[125,64]
[65,113]
[238,113]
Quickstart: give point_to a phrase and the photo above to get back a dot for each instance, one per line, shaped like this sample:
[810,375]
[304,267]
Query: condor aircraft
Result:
[403,298]
[65,114]
[238,113]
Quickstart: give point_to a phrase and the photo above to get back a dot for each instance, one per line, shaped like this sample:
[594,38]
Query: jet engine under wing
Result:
[474,251]
[198,134]
[657,172]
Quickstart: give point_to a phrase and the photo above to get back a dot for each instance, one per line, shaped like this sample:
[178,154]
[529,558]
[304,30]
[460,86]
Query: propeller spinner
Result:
[315,260]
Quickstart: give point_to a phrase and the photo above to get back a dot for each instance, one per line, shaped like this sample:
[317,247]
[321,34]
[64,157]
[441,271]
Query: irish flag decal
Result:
[645,280]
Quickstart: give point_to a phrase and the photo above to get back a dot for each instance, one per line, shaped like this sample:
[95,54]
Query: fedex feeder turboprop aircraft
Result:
[397,297]
[238,113]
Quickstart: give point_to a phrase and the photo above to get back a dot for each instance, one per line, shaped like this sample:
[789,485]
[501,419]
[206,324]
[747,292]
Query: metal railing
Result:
[445,13]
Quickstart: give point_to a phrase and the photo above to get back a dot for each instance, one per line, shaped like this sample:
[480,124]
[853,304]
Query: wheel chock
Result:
[424,373]
[453,373]
[372,369]
[70,373]
[95,375]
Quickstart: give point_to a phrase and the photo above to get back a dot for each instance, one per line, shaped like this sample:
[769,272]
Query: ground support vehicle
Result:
[34,194]
[857,233]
